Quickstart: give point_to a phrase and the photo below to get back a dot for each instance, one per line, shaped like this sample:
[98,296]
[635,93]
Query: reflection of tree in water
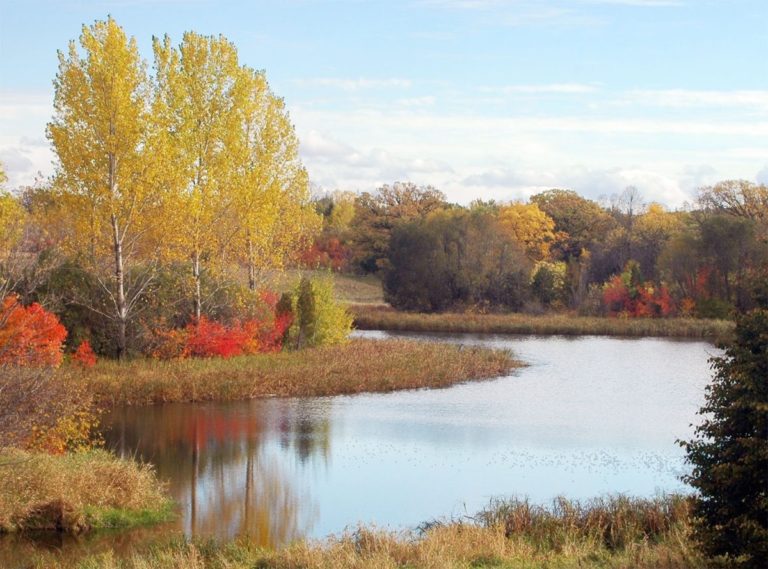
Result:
[229,464]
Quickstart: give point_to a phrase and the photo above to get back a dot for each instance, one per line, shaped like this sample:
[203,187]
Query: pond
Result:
[588,416]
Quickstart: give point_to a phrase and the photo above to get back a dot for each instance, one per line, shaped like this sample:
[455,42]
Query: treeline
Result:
[558,251]
[175,190]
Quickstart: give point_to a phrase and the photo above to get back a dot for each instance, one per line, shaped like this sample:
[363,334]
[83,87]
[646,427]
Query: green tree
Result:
[730,452]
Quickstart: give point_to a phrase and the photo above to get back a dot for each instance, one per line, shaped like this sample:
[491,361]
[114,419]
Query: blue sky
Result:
[481,98]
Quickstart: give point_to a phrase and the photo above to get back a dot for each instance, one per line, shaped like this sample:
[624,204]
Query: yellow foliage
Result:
[530,226]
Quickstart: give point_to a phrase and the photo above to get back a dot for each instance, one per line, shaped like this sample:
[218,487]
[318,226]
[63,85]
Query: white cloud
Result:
[360,83]
[506,183]
[762,176]
[557,88]
[686,98]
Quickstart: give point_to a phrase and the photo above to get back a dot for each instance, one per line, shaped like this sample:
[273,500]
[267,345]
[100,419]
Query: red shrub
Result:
[205,338]
[84,355]
[29,336]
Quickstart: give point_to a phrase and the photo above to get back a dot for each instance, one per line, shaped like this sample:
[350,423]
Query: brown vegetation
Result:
[359,366]
[615,532]
[382,318]
[76,491]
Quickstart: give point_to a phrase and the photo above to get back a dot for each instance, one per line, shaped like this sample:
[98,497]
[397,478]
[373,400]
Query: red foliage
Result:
[211,339]
[207,338]
[326,253]
[29,336]
[646,301]
[84,355]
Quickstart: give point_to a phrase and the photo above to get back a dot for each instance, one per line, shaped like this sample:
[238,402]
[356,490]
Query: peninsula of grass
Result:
[385,318]
[77,492]
[610,533]
[355,367]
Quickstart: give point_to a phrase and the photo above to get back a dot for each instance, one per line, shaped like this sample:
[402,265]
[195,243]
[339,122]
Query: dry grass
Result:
[383,318]
[612,533]
[358,366]
[75,492]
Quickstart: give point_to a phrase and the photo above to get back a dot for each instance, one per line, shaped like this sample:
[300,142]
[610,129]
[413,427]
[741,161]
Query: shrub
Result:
[84,355]
[206,338]
[43,411]
[319,319]
[29,336]
[627,295]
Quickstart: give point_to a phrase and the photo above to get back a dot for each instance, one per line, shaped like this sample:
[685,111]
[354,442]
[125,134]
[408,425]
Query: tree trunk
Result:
[251,264]
[196,276]
[117,243]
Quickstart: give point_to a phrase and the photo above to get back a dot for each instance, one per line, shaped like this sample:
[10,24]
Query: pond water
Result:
[588,416]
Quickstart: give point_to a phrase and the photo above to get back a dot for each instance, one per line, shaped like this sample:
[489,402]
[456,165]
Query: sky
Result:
[487,99]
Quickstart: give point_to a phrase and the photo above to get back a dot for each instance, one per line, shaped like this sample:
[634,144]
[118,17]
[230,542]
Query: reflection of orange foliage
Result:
[206,338]
[84,355]
[29,335]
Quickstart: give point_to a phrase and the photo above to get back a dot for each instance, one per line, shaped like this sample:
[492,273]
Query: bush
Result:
[84,355]
[29,336]
[319,319]
[43,411]
[730,454]
[207,338]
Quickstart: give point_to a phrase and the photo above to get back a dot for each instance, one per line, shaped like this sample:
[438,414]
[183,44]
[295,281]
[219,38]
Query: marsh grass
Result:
[611,533]
[355,367]
[384,318]
[77,491]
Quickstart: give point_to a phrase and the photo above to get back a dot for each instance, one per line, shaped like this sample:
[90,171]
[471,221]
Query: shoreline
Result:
[359,366]
[384,318]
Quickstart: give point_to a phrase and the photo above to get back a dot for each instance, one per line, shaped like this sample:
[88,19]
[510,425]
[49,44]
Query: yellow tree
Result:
[270,185]
[194,104]
[99,133]
[530,226]
[12,217]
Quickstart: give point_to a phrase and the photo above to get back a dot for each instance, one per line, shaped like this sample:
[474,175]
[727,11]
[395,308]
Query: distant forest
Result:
[557,251]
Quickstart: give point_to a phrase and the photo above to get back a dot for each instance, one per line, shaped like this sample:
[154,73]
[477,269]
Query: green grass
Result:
[355,367]
[77,492]
[384,318]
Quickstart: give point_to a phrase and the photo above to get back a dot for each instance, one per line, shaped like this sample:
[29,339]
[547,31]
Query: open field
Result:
[609,533]
[354,289]
[384,318]
[355,367]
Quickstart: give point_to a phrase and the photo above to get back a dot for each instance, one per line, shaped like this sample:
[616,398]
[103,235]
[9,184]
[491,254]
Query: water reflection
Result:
[589,416]
[232,468]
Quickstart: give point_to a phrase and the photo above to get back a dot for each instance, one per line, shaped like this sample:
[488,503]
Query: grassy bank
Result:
[383,318]
[77,492]
[359,366]
[615,533]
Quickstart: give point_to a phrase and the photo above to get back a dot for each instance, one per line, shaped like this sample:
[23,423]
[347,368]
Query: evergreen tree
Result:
[730,452]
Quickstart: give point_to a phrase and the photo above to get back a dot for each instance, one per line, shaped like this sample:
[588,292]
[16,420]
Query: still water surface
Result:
[588,416]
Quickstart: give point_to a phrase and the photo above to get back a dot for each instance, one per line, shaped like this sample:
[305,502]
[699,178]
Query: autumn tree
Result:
[194,104]
[100,132]
[530,226]
[739,198]
[579,223]
[378,213]
[272,211]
